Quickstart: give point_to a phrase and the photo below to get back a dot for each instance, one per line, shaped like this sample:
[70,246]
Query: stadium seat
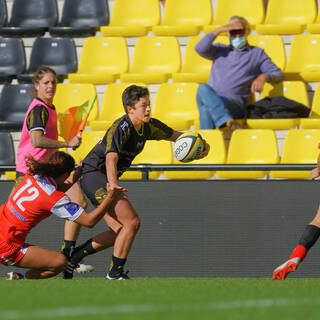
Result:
[217,155]
[184,17]
[31,18]
[81,18]
[308,67]
[3,13]
[294,90]
[154,152]
[111,108]
[273,46]
[249,146]
[315,26]
[288,16]
[12,58]
[132,18]
[300,147]
[14,102]
[154,60]
[75,94]
[89,140]
[313,122]
[102,60]
[7,154]
[252,10]
[194,68]
[57,53]
[175,104]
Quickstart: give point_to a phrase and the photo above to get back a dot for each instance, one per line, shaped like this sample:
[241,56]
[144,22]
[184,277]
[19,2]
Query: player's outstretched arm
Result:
[92,218]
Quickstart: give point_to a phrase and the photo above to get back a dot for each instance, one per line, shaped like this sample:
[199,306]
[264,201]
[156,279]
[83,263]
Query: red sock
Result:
[299,252]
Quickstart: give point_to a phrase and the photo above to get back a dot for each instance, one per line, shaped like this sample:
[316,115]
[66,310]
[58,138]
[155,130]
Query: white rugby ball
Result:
[188,146]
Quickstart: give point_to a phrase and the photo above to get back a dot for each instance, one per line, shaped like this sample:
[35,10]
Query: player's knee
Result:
[135,224]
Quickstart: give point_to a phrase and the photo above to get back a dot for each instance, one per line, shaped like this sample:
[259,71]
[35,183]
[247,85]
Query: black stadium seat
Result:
[80,18]
[12,58]
[56,53]
[14,102]
[7,155]
[3,13]
[31,18]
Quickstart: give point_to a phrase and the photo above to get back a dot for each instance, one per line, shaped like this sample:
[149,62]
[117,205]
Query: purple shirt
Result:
[233,71]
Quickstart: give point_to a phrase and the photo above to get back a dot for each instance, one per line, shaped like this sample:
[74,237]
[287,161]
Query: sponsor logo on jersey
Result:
[124,125]
[72,208]
[140,145]
[18,215]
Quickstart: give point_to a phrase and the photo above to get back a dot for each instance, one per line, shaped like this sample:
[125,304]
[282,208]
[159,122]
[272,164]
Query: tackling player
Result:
[40,194]
[106,162]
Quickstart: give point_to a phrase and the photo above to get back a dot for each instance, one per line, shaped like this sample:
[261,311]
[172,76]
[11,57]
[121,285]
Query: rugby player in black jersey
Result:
[105,163]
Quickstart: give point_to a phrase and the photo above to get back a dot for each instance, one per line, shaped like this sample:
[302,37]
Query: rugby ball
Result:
[188,146]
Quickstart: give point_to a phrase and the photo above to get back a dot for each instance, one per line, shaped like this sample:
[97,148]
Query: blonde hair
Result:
[240,19]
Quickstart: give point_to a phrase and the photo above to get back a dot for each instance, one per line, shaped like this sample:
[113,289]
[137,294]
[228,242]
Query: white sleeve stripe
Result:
[37,128]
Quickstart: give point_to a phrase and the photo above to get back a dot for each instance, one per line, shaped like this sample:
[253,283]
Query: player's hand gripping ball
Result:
[188,146]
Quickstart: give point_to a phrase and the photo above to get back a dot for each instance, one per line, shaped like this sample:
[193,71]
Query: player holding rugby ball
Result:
[106,162]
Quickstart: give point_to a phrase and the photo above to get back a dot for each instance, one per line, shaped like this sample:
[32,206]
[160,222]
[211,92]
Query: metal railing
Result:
[145,168]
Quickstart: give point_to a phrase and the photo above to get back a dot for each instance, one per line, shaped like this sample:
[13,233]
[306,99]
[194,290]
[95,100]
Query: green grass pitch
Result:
[155,298]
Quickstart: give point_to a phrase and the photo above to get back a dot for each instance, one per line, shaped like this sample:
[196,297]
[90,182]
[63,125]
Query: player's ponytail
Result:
[58,164]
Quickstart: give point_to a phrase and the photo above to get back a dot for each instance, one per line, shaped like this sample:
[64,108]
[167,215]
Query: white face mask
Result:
[238,43]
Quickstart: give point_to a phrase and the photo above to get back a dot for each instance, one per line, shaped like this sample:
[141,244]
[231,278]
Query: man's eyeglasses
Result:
[236,32]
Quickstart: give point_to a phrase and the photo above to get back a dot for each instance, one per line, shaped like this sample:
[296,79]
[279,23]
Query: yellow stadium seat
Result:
[154,60]
[154,152]
[300,147]
[75,94]
[89,140]
[132,18]
[273,46]
[294,90]
[252,10]
[288,16]
[102,60]
[314,27]
[217,155]
[195,68]
[304,60]
[112,106]
[313,122]
[10,175]
[249,146]
[184,17]
[175,104]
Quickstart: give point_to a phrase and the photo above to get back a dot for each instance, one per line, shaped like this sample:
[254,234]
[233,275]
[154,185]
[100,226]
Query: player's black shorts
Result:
[94,185]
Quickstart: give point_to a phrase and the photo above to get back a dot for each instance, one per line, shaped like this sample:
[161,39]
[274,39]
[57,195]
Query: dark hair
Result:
[58,164]
[38,75]
[132,94]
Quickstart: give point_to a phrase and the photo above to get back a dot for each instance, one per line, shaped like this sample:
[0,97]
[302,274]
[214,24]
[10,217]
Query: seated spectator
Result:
[237,71]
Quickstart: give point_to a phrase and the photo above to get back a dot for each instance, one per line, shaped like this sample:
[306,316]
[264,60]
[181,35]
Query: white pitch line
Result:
[121,309]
